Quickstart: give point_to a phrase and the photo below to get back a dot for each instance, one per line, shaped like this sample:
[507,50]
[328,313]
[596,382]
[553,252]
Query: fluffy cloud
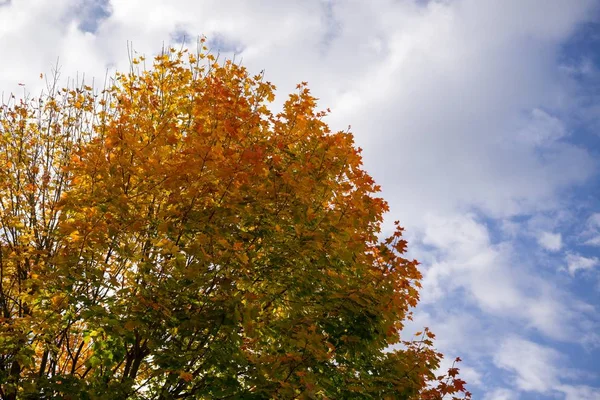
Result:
[579,392]
[592,231]
[550,241]
[576,262]
[496,281]
[534,366]
[542,129]
[539,369]
[459,97]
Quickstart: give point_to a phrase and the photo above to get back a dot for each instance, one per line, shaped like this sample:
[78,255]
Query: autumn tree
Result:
[170,237]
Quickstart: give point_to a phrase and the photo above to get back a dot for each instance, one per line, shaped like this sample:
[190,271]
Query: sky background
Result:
[479,118]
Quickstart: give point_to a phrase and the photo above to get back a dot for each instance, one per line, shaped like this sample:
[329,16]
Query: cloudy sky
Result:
[480,119]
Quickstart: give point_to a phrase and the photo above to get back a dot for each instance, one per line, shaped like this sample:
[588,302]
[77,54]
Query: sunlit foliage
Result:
[170,237]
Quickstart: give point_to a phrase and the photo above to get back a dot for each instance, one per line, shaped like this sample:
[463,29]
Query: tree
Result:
[171,238]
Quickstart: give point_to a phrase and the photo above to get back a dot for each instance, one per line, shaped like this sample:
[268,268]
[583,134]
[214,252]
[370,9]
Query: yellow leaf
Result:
[75,236]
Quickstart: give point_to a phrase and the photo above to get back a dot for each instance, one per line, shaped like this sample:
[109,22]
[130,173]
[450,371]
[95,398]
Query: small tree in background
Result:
[171,238]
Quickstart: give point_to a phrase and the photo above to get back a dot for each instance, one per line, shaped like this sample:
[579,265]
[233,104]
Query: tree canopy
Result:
[170,237]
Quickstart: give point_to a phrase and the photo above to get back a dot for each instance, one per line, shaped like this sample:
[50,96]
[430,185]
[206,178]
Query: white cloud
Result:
[537,368]
[543,129]
[534,366]
[501,394]
[474,96]
[573,392]
[550,241]
[592,231]
[454,330]
[493,278]
[594,220]
[595,241]
[470,261]
[577,262]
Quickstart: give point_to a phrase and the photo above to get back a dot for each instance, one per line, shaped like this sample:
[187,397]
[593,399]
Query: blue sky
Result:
[480,119]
